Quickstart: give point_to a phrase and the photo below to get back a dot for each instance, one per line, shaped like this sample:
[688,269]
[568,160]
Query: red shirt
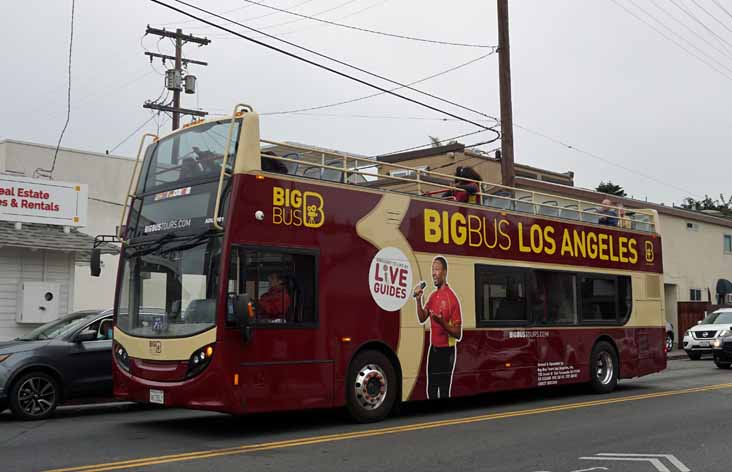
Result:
[274,303]
[443,301]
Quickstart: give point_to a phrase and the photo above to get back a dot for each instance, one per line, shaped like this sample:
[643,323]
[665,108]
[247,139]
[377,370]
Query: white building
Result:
[43,253]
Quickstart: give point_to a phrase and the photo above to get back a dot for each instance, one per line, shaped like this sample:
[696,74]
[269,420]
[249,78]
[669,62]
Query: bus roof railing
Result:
[433,184]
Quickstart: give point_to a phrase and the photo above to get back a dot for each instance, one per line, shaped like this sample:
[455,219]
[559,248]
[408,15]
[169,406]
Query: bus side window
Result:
[501,296]
[280,284]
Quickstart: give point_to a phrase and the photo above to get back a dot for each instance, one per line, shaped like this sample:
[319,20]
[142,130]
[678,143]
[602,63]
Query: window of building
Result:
[553,297]
[728,243]
[692,226]
[501,296]
[695,295]
[605,298]
[281,285]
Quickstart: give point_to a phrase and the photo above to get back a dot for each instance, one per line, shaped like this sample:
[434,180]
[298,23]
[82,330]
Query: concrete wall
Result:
[694,258]
[108,179]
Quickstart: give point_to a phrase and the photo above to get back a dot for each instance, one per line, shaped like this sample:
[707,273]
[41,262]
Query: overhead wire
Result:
[702,8]
[110,151]
[330,69]
[50,171]
[602,159]
[669,38]
[367,30]
[721,7]
[365,97]
[692,30]
[701,23]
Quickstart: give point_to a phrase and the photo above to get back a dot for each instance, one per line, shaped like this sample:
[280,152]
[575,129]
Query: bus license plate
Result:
[157,396]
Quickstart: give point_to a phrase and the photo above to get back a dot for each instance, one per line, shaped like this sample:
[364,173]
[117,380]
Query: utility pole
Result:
[174,79]
[508,173]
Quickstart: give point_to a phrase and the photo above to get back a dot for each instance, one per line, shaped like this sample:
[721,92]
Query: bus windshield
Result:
[176,282]
[194,154]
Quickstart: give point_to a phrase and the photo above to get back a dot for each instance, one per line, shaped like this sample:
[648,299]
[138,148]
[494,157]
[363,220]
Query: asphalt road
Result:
[684,411]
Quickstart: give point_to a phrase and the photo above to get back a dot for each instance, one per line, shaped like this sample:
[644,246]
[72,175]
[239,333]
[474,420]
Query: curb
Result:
[676,355]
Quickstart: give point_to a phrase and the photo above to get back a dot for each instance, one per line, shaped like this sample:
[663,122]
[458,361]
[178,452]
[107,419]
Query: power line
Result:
[329,69]
[367,117]
[426,145]
[353,100]
[322,12]
[110,151]
[668,38]
[721,7]
[692,30]
[703,25]
[68,101]
[602,159]
[701,7]
[366,30]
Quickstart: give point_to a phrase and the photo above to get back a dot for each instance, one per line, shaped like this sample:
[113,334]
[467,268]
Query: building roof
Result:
[593,196]
[51,238]
[419,153]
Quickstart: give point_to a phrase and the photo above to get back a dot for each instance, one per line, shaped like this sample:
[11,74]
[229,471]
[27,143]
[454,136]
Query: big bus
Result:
[283,277]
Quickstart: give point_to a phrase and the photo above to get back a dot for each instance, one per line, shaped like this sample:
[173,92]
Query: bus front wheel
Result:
[604,367]
[371,387]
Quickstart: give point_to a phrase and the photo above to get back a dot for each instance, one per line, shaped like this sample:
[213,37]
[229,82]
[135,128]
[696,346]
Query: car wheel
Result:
[604,368]
[669,342]
[34,396]
[694,356]
[722,365]
[371,387]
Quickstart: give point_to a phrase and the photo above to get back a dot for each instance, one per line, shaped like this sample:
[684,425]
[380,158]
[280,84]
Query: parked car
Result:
[698,339]
[61,360]
[722,349]
[669,336]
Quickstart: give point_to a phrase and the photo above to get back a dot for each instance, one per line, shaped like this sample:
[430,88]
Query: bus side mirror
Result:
[240,311]
[95,263]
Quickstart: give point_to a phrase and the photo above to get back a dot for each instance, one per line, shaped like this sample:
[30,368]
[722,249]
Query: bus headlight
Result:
[200,360]
[122,358]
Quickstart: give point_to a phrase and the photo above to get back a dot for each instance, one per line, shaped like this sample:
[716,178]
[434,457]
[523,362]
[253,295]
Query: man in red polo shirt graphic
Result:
[446,320]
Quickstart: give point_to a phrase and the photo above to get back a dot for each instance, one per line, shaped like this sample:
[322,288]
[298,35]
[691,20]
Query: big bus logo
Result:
[650,256]
[291,207]
[156,347]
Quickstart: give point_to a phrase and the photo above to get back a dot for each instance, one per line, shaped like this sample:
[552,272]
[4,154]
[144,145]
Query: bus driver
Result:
[275,302]
[443,310]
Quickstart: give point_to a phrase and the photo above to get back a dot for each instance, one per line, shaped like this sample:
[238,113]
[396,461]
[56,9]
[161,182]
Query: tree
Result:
[437,142]
[611,189]
[724,206]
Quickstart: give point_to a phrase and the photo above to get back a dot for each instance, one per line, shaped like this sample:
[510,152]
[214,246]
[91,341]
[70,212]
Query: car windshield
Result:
[176,281]
[722,317]
[59,328]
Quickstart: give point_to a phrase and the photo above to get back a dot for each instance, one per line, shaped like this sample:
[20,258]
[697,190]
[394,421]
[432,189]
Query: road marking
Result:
[670,457]
[654,459]
[148,461]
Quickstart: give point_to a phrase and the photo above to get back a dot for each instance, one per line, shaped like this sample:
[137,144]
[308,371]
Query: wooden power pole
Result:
[175,81]
[508,173]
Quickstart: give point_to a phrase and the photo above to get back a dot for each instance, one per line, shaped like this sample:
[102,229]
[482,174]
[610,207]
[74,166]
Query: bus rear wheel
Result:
[604,367]
[371,387]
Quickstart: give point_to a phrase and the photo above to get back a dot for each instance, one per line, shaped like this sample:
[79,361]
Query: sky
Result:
[630,105]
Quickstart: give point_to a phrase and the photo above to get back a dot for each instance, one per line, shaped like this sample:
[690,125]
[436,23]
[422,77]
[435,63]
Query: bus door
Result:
[286,364]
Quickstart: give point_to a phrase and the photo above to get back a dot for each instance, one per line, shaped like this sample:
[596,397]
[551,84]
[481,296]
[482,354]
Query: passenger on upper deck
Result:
[272,165]
[609,216]
[469,190]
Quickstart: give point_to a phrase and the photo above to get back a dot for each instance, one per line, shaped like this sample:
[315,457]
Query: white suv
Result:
[698,339]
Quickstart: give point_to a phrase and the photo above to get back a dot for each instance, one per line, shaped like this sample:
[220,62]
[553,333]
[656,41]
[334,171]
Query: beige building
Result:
[44,253]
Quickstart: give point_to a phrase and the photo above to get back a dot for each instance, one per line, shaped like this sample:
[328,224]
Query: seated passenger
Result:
[275,302]
[272,165]
[469,190]
[609,216]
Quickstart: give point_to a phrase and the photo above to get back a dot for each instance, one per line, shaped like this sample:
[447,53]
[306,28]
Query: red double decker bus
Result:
[285,278]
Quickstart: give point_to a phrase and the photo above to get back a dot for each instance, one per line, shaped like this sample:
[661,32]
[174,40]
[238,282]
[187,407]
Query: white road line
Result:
[671,458]
[656,462]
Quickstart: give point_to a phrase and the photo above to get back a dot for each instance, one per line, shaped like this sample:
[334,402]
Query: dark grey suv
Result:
[65,359]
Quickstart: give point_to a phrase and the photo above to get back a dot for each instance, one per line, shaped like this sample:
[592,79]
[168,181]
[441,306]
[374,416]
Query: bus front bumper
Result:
[211,391]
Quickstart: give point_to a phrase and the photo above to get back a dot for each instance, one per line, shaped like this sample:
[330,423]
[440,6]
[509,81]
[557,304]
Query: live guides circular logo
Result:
[390,278]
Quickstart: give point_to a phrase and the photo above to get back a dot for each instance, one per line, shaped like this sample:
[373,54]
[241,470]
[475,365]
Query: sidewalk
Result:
[677,354]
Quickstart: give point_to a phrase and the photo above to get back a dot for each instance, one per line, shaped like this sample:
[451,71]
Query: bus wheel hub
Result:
[370,387]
